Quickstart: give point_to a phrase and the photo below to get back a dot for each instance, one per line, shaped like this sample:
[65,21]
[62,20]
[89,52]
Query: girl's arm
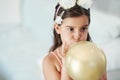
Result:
[49,69]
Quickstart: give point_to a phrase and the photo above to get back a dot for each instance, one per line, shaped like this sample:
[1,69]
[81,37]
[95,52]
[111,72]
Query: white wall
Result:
[25,38]
[10,11]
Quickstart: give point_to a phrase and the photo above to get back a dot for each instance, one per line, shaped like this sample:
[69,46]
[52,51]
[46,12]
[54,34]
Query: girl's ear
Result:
[57,28]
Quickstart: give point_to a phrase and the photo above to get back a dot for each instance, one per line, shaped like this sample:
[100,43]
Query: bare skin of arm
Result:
[50,70]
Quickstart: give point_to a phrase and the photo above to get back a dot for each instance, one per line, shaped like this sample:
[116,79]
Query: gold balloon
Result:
[85,61]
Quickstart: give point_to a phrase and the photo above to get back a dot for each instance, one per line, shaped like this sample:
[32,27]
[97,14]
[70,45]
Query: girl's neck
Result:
[59,52]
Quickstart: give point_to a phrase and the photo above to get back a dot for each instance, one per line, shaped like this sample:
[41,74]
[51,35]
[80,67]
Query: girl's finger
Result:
[64,49]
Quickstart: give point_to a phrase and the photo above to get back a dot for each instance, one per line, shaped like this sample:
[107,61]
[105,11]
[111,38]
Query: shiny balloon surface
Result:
[85,61]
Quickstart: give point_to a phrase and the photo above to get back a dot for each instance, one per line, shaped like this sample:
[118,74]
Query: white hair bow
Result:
[66,4]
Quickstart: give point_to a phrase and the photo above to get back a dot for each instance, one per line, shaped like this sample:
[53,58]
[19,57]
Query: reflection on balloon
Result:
[85,61]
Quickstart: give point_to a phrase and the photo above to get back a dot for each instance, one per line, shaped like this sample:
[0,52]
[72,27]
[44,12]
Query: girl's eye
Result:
[71,29]
[83,29]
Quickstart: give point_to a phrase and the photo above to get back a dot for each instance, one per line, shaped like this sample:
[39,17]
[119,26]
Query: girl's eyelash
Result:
[70,28]
[83,29]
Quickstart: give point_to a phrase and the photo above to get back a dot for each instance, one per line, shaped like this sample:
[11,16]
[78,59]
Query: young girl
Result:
[72,19]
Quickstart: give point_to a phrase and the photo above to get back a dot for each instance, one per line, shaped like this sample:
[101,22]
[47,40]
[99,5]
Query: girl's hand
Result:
[104,77]
[64,75]
[64,49]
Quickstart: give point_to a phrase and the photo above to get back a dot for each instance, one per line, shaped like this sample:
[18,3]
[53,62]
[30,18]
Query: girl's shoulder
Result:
[49,59]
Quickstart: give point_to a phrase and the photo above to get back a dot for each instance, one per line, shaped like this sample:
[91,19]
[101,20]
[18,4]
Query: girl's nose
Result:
[77,36]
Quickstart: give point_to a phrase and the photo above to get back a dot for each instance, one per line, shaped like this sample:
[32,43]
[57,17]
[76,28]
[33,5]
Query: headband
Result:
[67,4]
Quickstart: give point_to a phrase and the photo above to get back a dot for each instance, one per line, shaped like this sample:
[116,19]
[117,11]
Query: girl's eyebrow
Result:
[75,26]
[85,25]
[70,26]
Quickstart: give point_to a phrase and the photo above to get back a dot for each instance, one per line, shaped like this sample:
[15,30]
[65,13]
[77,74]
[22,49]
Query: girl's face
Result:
[73,29]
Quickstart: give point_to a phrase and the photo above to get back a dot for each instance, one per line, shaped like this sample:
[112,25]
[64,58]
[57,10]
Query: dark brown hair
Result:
[75,11]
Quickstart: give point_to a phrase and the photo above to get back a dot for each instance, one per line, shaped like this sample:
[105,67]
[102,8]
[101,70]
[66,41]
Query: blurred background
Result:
[26,35]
